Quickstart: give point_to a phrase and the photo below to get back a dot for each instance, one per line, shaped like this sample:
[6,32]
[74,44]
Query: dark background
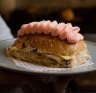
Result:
[80,13]
[84,18]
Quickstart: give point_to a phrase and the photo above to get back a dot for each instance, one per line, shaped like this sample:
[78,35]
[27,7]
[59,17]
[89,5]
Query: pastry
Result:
[50,44]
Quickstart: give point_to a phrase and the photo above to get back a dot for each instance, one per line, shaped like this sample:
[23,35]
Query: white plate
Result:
[5,62]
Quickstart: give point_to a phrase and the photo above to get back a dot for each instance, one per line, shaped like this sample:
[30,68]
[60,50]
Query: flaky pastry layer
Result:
[49,51]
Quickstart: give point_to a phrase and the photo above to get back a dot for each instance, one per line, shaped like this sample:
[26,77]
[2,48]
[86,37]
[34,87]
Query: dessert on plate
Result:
[50,44]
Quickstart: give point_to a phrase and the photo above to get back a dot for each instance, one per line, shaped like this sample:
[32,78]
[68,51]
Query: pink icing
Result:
[62,30]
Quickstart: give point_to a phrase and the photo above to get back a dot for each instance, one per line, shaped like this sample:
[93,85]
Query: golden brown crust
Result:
[48,51]
[49,44]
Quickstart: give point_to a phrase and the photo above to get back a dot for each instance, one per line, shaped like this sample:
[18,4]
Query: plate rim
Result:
[23,70]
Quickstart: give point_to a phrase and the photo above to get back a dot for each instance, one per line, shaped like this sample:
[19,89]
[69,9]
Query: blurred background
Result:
[80,13]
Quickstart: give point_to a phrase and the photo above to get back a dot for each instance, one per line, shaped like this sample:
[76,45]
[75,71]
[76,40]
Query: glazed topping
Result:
[62,30]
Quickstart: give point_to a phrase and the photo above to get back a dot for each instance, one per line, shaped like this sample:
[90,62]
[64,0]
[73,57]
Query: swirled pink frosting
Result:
[62,30]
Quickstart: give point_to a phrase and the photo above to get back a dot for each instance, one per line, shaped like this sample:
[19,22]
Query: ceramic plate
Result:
[5,62]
